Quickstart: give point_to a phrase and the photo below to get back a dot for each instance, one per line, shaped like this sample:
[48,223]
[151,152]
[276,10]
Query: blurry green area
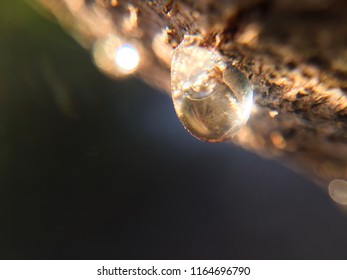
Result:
[26,37]
[39,64]
[50,101]
[36,52]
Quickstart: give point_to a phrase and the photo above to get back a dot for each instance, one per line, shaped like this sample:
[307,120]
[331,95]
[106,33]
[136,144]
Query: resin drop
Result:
[212,98]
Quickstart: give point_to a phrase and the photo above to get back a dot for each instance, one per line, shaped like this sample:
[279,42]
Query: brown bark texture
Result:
[294,52]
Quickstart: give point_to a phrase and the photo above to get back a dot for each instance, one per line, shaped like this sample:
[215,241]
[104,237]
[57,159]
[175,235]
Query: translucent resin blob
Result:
[212,98]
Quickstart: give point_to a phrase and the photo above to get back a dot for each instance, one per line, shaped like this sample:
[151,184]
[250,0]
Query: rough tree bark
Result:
[294,53]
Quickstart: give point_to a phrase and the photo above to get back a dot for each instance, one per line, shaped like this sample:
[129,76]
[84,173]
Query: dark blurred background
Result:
[91,168]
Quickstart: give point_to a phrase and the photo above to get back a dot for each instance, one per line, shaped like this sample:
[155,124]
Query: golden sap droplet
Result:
[212,98]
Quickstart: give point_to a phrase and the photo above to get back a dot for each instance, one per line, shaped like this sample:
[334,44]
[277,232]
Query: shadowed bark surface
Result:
[293,52]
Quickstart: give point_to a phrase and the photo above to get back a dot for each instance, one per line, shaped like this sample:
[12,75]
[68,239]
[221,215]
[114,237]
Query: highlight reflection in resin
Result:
[212,98]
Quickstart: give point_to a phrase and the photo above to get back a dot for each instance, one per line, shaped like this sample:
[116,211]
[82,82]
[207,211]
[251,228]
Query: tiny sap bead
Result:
[212,98]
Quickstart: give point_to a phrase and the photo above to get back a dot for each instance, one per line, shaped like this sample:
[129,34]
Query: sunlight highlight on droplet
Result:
[127,58]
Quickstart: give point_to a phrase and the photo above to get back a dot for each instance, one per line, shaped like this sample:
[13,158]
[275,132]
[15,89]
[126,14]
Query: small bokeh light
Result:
[116,57]
[338,191]
[127,58]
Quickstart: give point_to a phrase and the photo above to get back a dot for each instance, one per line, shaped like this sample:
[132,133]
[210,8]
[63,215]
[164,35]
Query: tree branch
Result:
[294,53]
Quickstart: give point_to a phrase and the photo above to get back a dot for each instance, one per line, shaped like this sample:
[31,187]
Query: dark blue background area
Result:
[120,178]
